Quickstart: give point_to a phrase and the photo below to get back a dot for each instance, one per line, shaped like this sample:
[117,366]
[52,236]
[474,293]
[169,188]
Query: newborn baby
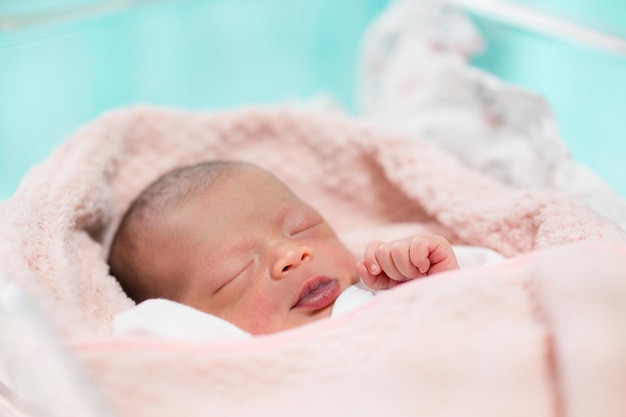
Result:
[229,239]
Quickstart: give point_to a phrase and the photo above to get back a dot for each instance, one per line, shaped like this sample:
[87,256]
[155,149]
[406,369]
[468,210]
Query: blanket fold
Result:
[483,342]
[466,343]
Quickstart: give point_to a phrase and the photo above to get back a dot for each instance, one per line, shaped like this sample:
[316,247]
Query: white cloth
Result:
[415,76]
[164,318]
[351,298]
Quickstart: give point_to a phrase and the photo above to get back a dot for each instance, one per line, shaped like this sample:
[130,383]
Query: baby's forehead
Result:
[253,179]
[244,183]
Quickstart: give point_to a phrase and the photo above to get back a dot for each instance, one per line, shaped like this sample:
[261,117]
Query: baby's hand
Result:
[387,264]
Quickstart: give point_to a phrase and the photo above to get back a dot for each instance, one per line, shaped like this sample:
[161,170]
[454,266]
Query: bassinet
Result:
[540,334]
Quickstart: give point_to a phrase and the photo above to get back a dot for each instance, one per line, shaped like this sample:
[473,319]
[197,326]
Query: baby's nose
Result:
[289,256]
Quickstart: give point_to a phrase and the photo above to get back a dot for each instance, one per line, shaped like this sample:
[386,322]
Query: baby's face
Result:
[251,252]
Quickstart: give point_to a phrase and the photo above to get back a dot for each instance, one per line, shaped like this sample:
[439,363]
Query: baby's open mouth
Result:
[318,293]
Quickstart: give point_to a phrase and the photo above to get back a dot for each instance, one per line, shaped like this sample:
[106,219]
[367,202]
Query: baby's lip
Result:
[317,293]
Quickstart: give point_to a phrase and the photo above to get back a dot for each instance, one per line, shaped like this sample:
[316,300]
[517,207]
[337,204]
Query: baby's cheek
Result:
[256,322]
[246,312]
[346,265]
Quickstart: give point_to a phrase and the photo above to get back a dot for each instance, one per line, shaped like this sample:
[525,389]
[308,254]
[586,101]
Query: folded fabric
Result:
[533,336]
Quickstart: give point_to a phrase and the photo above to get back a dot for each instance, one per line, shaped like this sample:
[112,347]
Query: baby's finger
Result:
[375,282]
[419,253]
[400,253]
[442,257]
[369,258]
[386,262]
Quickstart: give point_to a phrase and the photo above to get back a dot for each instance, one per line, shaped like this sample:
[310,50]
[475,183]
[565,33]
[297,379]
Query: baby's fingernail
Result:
[374,269]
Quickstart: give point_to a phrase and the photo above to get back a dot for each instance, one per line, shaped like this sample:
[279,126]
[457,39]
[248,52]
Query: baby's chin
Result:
[298,320]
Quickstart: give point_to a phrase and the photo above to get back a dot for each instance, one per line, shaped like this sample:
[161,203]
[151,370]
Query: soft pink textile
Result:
[493,341]
[541,337]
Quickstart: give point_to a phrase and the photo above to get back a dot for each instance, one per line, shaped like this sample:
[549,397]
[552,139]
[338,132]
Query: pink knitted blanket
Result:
[541,334]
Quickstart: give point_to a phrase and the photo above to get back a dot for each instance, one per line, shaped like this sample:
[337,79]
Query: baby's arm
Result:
[387,264]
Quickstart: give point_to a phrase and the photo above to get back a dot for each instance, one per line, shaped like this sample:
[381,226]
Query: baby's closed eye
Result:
[307,229]
[232,277]
[302,224]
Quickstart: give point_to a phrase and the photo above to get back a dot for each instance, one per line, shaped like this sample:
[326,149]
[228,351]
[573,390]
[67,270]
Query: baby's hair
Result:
[159,198]
[176,186]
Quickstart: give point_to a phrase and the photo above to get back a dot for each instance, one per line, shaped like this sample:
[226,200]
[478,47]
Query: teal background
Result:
[585,86]
[225,53]
[193,53]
